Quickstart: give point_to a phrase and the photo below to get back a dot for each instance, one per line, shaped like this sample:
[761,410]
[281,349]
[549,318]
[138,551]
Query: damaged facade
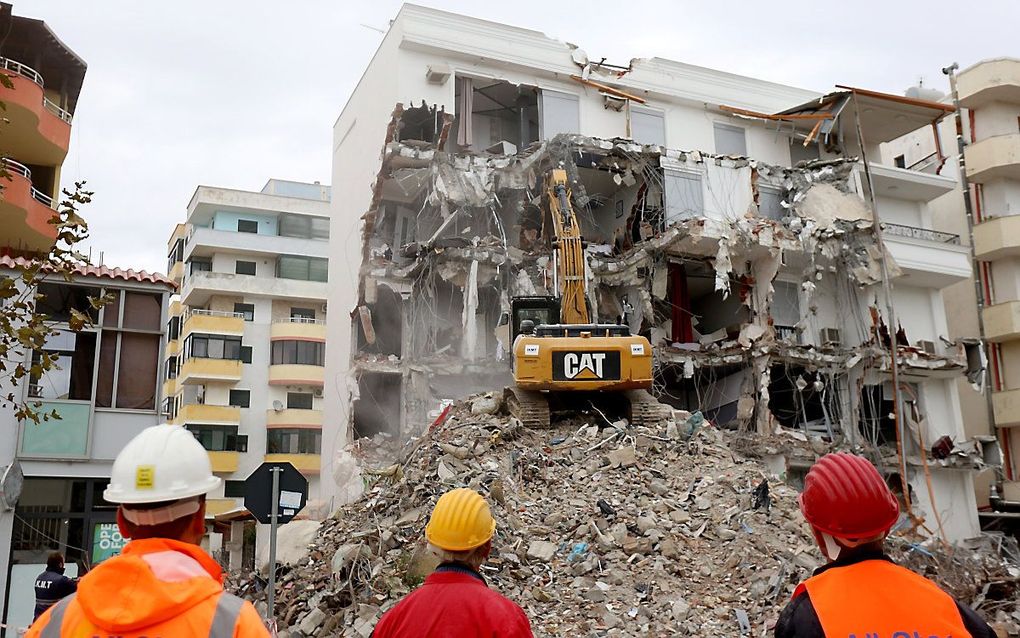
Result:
[764,250]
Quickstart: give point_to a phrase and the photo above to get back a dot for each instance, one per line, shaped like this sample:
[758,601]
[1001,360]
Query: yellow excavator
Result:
[561,360]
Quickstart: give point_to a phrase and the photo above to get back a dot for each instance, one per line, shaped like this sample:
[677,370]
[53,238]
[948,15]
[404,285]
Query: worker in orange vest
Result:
[861,593]
[162,584]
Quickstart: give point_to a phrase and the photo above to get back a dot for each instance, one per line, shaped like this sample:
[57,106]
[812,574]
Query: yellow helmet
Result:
[460,521]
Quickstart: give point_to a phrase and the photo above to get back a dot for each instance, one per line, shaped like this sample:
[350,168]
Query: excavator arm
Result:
[569,251]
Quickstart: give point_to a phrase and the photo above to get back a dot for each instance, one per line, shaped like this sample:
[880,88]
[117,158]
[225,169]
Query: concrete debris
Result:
[614,531]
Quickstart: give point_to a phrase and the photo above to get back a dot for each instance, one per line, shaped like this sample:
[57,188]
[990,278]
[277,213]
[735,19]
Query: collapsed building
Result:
[763,289]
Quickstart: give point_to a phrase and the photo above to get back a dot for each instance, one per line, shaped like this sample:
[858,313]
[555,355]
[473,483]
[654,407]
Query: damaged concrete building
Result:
[749,230]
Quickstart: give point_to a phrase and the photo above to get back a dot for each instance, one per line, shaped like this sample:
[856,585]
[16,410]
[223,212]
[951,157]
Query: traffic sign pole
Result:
[273,526]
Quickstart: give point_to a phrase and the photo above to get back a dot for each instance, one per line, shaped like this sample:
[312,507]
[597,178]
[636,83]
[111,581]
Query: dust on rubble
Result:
[602,530]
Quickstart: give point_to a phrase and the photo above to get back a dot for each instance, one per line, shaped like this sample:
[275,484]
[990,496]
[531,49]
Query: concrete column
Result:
[236,544]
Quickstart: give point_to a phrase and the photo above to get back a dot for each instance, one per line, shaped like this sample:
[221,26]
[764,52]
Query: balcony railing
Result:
[214,313]
[20,169]
[929,164]
[26,71]
[924,234]
[311,320]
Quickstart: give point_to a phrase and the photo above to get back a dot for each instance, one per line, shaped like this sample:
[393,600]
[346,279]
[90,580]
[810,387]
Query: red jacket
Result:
[454,602]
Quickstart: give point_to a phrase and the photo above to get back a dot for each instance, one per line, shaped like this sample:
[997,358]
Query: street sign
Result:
[258,493]
[274,493]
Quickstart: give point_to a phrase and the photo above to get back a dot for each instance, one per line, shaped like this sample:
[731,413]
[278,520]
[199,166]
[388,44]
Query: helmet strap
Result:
[832,548]
[161,515]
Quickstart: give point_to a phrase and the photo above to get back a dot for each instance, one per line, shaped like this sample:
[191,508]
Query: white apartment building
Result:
[447,92]
[246,338]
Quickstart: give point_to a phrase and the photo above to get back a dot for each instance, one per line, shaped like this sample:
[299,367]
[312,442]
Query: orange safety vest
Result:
[879,599]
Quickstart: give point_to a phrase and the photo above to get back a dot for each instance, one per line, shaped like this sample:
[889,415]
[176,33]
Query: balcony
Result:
[997,238]
[205,241]
[915,185]
[991,81]
[299,328]
[213,322]
[39,131]
[200,285]
[25,211]
[1002,321]
[224,462]
[304,463]
[197,413]
[296,374]
[196,371]
[928,258]
[994,158]
[1006,408]
[291,418]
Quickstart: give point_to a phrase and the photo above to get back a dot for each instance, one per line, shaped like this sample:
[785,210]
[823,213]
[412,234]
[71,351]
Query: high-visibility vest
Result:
[222,624]
[879,599]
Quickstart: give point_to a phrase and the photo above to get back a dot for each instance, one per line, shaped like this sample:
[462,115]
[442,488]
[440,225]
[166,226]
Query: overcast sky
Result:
[233,92]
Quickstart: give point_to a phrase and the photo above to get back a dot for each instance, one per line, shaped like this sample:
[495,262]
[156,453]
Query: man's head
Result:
[55,562]
[848,504]
[460,528]
[160,480]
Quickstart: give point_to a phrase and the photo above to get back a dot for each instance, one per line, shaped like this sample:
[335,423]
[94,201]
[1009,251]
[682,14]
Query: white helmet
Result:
[162,463]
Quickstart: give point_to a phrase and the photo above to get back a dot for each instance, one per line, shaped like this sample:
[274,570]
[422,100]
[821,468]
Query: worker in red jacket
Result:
[861,592]
[455,602]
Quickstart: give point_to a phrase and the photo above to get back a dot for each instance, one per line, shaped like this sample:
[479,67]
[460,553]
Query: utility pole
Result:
[968,207]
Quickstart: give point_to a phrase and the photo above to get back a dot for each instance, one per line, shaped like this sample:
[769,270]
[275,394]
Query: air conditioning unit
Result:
[830,337]
[927,346]
[438,73]
[317,393]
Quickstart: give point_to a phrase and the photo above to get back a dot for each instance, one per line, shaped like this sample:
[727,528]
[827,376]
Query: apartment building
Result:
[106,389]
[45,77]
[990,91]
[731,220]
[246,338]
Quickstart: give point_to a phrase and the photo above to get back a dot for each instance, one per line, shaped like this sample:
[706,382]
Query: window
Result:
[303,268]
[247,226]
[233,489]
[246,352]
[57,301]
[770,203]
[560,113]
[244,267]
[212,347]
[299,400]
[173,328]
[684,197]
[293,352]
[216,438]
[730,140]
[304,226]
[170,408]
[176,254]
[293,441]
[900,161]
[199,265]
[173,367]
[242,443]
[307,314]
[74,357]
[785,304]
[240,398]
[246,309]
[647,126]
[129,352]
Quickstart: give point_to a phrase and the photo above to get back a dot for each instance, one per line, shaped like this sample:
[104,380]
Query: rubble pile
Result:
[603,529]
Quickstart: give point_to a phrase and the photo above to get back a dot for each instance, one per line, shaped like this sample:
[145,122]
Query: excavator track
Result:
[531,408]
[646,410]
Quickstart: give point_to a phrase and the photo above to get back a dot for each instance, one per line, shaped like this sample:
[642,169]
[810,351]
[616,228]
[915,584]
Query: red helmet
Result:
[844,496]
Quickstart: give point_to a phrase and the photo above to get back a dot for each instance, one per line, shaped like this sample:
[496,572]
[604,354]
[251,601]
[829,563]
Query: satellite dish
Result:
[278,405]
[10,486]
